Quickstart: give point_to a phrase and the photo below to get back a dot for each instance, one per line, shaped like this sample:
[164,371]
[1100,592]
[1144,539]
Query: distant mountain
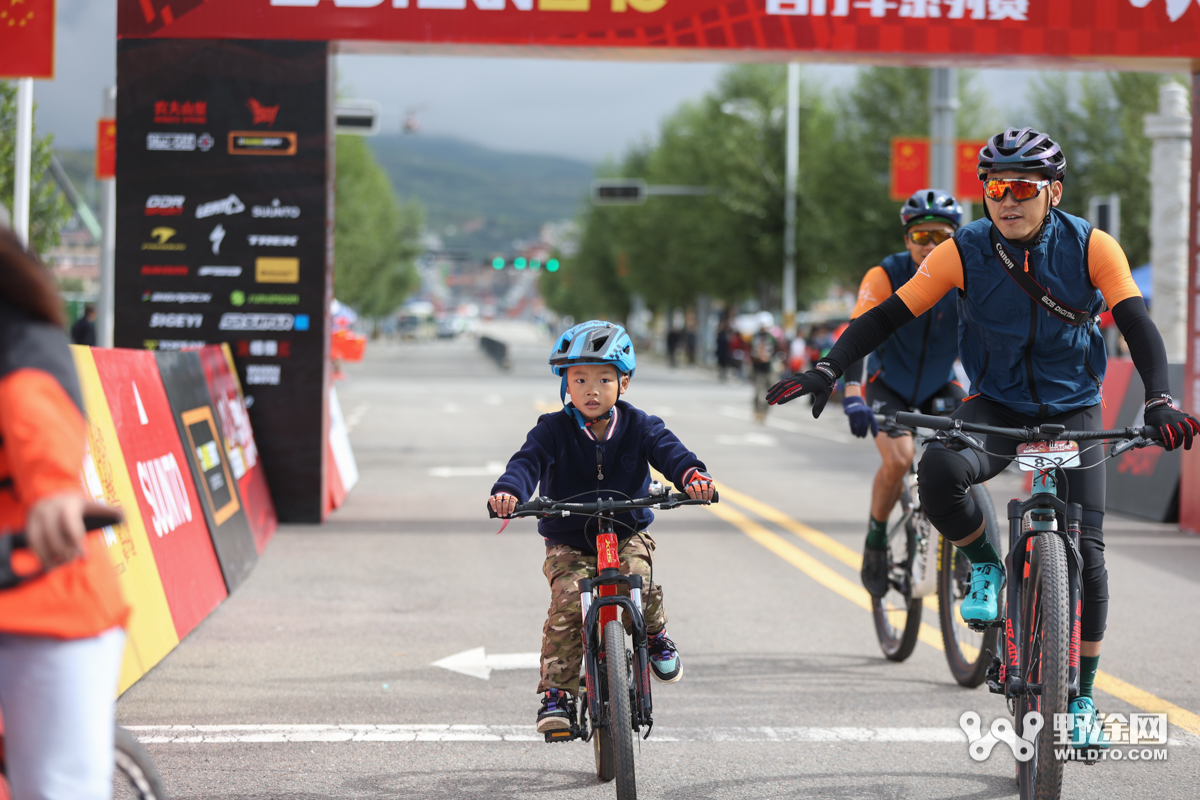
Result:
[482,199]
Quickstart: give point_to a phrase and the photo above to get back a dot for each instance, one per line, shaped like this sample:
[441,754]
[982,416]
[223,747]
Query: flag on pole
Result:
[26,38]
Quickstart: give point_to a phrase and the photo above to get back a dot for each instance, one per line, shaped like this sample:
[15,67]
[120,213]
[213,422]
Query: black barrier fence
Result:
[1144,482]
[224,218]
[496,350]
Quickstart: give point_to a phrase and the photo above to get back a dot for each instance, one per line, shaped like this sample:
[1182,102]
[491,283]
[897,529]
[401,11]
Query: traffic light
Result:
[497,263]
[520,262]
[552,265]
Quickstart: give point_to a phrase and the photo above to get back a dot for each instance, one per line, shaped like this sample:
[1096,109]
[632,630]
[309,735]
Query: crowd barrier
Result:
[495,350]
[170,443]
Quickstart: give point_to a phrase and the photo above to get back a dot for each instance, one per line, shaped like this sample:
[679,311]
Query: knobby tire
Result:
[1045,648]
[602,744]
[620,718]
[134,775]
[897,615]
[966,650]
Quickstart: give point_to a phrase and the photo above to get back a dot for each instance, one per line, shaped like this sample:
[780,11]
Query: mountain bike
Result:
[1039,671]
[921,563]
[134,775]
[614,699]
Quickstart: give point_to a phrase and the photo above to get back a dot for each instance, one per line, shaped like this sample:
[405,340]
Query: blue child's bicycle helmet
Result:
[592,342]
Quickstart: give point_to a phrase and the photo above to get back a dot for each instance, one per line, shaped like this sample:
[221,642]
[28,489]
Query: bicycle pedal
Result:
[560,736]
[981,627]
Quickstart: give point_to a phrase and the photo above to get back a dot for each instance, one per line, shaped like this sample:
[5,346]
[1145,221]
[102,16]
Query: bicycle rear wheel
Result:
[966,650]
[134,775]
[620,718]
[1045,644]
[897,614]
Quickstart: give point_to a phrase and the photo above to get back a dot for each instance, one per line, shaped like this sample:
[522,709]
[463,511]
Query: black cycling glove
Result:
[1173,426]
[817,382]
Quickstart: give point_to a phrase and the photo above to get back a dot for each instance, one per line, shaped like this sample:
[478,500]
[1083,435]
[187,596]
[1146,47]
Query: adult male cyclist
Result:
[913,369]
[1031,280]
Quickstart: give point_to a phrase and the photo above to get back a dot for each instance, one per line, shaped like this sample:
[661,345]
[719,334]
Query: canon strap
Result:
[1017,272]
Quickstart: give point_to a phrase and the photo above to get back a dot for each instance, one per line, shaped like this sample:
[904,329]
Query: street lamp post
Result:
[789,201]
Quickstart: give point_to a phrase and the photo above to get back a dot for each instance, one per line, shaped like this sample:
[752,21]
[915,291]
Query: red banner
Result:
[234,422]
[968,179]
[106,149]
[909,167]
[1030,31]
[27,39]
[166,494]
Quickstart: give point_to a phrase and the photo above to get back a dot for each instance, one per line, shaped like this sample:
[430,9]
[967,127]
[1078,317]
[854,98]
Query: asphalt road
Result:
[317,677]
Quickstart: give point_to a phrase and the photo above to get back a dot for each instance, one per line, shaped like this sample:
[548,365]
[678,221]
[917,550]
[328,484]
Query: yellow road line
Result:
[1138,698]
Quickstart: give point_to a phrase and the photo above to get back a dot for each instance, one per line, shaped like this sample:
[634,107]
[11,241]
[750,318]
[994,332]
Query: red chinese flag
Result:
[968,180]
[106,149]
[27,39]
[910,167]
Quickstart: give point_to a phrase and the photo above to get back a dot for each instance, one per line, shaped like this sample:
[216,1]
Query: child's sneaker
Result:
[664,658]
[555,714]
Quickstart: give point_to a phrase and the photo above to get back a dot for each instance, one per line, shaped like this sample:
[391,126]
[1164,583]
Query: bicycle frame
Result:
[1044,507]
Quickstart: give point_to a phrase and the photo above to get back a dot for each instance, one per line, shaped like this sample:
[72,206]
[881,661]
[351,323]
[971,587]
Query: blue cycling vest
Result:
[1015,351]
[918,359]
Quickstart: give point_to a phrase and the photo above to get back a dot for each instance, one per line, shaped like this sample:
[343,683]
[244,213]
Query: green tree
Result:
[48,209]
[1098,120]
[376,238]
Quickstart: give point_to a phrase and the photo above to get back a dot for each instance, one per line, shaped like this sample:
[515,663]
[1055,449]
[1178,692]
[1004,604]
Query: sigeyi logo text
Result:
[160,320]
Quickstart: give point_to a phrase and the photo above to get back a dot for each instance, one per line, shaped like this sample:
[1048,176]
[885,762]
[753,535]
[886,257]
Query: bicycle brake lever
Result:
[1128,444]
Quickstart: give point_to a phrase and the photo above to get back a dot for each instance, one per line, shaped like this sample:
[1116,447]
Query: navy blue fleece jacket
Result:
[561,457]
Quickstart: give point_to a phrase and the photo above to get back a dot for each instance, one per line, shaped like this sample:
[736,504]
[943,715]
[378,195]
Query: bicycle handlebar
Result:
[1040,433]
[545,507]
[95,516]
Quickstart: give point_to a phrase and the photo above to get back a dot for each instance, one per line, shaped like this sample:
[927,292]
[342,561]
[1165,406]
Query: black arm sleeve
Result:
[856,372]
[868,332]
[1145,345]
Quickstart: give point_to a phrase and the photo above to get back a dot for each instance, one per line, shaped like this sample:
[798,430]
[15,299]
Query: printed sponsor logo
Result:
[277,270]
[219,272]
[275,211]
[176,297]
[958,9]
[171,142]
[166,493]
[164,269]
[216,237]
[254,143]
[160,320]
[257,240]
[229,206]
[173,344]
[263,374]
[263,115]
[233,321]
[173,112]
[162,240]
[205,142]
[240,298]
[263,348]
[164,205]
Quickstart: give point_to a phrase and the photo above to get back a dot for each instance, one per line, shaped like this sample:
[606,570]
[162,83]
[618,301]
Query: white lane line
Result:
[790,426]
[490,469]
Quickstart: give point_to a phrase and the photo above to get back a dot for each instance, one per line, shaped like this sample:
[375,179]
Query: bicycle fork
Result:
[1044,507]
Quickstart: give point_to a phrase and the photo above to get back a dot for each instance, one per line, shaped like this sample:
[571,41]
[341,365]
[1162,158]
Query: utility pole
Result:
[24,159]
[943,106]
[789,202]
[108,239]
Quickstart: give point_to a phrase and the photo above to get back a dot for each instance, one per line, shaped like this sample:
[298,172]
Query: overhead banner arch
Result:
[1129,34]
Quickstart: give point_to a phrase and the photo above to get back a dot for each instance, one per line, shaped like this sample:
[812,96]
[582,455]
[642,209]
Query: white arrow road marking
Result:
[490,469]
[479,664]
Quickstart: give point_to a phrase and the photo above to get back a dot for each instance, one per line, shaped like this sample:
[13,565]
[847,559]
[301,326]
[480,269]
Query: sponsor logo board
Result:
[256,143]
[264,348]
[228,206]
[164,269]
[263,374]
[236,321]
[161,320]
[277,270]
[173,344]
[171,142]
[173,112]
[240,298]
[259,240]
[219,272]
[216,237]
[164,205]
[176,297]
[162,240]
[263,115]
[275,211]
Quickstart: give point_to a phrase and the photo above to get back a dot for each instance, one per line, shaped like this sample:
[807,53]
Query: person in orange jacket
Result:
[61,632]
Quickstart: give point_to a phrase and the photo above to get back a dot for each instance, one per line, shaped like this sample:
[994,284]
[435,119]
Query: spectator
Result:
[724,350]
[84,329]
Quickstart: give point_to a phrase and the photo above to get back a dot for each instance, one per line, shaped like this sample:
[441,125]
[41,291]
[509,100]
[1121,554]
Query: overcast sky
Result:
[582,109]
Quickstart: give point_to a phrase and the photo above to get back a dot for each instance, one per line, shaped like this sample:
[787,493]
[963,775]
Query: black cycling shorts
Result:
[883,399]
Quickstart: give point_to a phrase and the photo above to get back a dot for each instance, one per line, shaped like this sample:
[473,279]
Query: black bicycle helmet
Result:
[931,205]
[1023,149]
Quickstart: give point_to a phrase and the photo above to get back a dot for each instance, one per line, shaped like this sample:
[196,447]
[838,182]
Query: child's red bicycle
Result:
[615,687]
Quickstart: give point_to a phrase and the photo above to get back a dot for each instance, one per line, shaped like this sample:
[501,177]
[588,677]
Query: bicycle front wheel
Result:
[1045,645]
[966,650]
[620,718]
[897,614]
[134,775]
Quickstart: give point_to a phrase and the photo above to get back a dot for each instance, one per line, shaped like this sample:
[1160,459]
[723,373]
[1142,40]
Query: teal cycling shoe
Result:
[1086,730]
[981,606]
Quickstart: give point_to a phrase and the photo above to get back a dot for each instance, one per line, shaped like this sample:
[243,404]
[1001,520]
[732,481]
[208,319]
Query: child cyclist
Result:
[597,446]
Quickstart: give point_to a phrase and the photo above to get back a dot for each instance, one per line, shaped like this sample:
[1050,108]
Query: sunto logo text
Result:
[166,493]
[164,205]
[258,240]
[275,211]
[160,320]
[228,206]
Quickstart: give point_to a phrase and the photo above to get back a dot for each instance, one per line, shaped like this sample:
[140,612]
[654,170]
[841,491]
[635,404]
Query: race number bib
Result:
[1034,456]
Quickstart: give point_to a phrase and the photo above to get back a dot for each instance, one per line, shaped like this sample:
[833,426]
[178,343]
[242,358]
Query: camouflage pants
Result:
[562,637]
